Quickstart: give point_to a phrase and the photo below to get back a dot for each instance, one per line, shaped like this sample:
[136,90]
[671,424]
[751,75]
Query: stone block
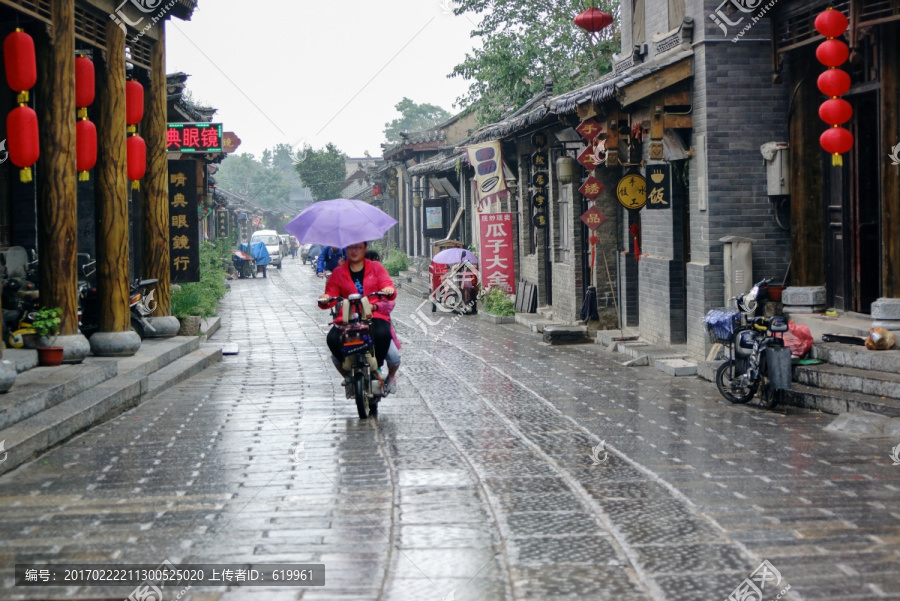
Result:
[676,367]
[886,309]
[803,310]
[804,296]
[892,325]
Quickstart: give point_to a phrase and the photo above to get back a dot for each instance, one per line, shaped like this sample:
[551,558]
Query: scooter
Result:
[142,306]
[757,358]
[366,385]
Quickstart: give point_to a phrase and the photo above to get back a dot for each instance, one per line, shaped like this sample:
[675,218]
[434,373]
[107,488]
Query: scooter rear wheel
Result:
[362,403]
[767,392]
[727,383]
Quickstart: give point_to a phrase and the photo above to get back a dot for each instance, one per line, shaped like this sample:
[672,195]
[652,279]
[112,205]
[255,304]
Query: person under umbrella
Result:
[360,276]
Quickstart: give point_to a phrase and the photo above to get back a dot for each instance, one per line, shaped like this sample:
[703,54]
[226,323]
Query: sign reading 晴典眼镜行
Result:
[194,137]
[184,232]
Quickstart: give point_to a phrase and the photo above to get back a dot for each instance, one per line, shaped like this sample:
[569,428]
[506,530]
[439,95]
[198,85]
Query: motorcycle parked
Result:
[20,301]
[142,306]
[757,358]
[366,385]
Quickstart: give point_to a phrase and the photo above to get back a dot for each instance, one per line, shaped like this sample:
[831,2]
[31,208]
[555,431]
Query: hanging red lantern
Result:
[836,141]
[832,23]
[85,148]
[19,62]
[832,53]
[84,82]
[593,20]
[834,82]
[23,141]
[134,103]
[835,111]
[137,160]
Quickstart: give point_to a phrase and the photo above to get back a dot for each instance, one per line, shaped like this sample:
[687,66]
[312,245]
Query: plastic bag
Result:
[880,339]
[798,338]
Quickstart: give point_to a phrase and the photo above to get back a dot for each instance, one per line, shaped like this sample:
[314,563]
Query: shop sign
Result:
[539,198]
[540,220]
[194,137]
[497,265]
[222,223]
[184,233]
[632,191]
[592,188]
[659,189]
[487,161]
[539,161]
[589,129]
[540,179]
[593,218]
[538,139]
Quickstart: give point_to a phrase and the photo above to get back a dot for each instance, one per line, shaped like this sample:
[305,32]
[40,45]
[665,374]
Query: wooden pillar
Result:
[890,209]
[57,210]
[112,187]
[155,187]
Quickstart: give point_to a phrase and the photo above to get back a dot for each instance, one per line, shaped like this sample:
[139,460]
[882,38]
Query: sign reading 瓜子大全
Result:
[194,137]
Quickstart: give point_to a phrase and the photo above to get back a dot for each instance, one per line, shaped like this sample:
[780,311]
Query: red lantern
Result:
[834,82]
[832,23]
[137,160]
[832,53]
[85,148]
[19,61]
[835,111]
[837,140]
[24,141]
[84,81]
[134,102]
[593,20]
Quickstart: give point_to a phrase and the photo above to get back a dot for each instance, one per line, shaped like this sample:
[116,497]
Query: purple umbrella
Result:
[455,255]
[340,223]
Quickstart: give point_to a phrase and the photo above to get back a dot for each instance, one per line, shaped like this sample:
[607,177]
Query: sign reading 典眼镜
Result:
[490,185]
[184,233]
[194,137]
[497,267]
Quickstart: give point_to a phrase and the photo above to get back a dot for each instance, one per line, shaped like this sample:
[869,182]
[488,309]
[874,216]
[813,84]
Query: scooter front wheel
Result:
[728,383]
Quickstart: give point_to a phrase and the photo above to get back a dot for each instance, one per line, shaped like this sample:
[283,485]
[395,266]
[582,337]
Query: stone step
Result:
[416,289]
[40,432]
[836,402]
[859,357]
[607,337]
[564,334]
[533,321]
[547,312]
[43,387]
[850,379]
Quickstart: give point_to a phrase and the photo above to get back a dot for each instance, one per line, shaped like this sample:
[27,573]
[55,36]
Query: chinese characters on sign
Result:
[589,129]
[592,188]
[658,189]
[490,184]
[497,266]
[632,191]
[194,137]
[593,218]
[184,233]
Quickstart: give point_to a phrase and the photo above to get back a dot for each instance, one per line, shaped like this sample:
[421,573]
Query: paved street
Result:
[476,482]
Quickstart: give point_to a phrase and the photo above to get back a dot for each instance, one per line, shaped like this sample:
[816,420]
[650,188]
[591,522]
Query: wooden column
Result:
[890,195]
[112,187]
[155,187]
[57,210]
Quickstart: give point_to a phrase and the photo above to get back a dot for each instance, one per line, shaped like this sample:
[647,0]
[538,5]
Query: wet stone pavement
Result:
[478,481]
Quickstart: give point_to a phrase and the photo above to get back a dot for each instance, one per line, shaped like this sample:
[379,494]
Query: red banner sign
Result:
[497,266]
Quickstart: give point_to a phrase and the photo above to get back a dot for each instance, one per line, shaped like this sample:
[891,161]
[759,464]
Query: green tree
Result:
[413,117]
[323,171]
[250,178]
[524,43]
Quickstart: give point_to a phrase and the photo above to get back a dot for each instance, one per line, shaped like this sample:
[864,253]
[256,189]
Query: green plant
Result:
[496,302]
[46,323]
[202,298]
[396,262]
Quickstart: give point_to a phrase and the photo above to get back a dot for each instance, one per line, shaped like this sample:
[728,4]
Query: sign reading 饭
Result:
[194,137]
[497,267]
[659,188]
[184,233]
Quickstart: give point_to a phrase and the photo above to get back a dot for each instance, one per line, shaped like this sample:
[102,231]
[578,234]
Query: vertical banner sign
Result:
[184,234]
[222,223]
[490,185]
[659,188]
[497,267]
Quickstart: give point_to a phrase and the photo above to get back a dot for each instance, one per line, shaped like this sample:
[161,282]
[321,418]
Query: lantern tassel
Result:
[25,175]
[82,113]
[135,185]
[132,129]
[22,98]
[84,176]
[837,160]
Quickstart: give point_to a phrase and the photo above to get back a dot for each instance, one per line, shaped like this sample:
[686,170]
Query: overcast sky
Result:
[316,70]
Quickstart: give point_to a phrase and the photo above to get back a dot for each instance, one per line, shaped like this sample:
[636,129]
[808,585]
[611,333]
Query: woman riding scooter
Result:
[360,276]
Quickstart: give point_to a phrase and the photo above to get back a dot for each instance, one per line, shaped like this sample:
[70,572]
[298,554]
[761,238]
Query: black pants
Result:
[380,331]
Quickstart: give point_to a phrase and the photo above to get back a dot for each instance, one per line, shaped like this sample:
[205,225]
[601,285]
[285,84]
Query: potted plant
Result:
[46,325]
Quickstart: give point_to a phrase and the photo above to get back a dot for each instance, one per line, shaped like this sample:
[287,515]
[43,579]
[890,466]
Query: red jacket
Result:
[375,279]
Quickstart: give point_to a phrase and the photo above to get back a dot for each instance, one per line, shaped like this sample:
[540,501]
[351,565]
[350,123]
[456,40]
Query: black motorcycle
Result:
[757,359]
